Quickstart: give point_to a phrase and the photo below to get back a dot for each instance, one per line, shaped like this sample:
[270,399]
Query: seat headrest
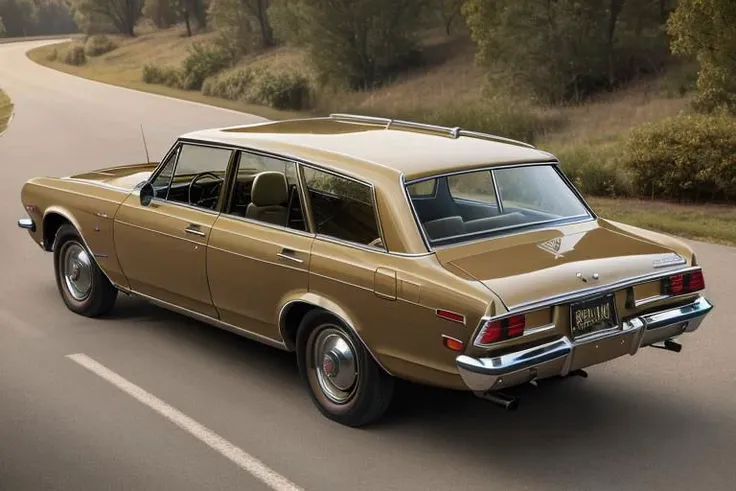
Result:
[270,188]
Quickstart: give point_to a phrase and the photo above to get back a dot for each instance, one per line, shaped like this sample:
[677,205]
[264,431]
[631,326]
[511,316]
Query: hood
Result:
[123,176]
[532,266]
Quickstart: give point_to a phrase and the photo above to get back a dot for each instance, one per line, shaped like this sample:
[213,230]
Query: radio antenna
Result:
[145,146]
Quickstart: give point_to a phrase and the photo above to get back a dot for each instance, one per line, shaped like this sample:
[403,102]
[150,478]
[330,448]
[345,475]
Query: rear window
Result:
[475,204]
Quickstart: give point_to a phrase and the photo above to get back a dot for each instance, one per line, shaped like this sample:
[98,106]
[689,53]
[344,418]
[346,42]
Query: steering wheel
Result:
[201,201]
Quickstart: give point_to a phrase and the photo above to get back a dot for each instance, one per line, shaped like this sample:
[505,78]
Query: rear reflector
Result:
[451,316]
[452,343]
[499,330]
[684,283]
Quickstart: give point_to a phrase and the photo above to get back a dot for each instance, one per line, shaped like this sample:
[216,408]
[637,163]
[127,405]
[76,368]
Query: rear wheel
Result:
[345,382]
[83,286]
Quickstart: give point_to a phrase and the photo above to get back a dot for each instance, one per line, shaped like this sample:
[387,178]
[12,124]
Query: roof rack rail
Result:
[455,132]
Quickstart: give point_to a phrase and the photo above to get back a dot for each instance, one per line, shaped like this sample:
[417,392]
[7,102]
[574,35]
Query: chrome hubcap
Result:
[77,271]
[336,365]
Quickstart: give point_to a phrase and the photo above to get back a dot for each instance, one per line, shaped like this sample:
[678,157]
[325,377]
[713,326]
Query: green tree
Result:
[2,27]
[113,15]
[245,22]
[566,49]
[19,17]
[358,43]
[449,11]
[163,13]
[706,30]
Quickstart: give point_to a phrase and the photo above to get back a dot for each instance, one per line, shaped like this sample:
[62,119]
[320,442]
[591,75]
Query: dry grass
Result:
[6,110]
[711,223]
[123,67]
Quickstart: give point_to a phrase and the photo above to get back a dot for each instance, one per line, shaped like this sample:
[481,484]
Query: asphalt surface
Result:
[658,420]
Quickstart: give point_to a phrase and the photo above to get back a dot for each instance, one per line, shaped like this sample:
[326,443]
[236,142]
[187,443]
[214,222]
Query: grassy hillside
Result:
[6,110]
[448,88]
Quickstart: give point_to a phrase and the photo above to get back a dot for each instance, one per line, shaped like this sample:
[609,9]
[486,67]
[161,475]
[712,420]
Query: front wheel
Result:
[83,286]
[346,384]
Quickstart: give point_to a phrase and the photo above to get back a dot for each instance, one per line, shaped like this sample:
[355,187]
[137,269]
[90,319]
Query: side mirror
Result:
[146,194]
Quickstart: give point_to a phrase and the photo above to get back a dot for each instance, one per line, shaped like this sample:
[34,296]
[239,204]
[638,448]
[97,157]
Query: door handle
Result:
[287,254]
[194,229]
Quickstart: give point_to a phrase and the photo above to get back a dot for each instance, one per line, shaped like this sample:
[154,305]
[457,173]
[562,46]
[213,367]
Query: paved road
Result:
[655,421]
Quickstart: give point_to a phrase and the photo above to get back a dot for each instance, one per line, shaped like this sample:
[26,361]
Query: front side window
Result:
[198,176]
[477,204]
[342,208]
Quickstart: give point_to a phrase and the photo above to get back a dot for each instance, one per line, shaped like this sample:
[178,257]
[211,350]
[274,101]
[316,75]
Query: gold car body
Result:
[418,308]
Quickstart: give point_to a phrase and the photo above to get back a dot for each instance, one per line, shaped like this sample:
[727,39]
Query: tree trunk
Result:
[267,38]
[616,6]
[188,24]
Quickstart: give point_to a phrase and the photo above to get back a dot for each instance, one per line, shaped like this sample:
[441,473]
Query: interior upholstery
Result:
[269,197]
[495,222]
[444,227]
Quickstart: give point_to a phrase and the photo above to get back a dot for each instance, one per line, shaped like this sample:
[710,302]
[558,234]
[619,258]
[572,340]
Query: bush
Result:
[595,170]
[74,55]
[232,85]
[53,55]
[689,157]
[98,45]
[202,62]
[153,74]
[281,90]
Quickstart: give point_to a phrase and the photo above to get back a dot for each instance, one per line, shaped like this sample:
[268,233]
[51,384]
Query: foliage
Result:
[567,49]
[98,45]
[705,30]
[2,27]
[689,157]
[168,76]
[449,12]
[596,170]
[97,16]
[245,22]
[280,90]
[74,55]
[163,13]
[357,43]
[19,17]
[203,61]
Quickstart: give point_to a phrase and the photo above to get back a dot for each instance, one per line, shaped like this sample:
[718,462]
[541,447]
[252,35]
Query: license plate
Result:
[590,316]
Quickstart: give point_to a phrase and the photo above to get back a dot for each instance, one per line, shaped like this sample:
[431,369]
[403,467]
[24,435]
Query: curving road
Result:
[658,421]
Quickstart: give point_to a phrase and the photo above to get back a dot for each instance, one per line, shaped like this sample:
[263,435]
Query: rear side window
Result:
[342,208]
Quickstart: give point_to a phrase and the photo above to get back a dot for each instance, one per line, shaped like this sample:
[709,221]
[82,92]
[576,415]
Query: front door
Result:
[259,249]
[162,247]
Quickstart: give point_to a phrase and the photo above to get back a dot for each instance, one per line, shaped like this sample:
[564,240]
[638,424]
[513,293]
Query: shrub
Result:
[74,55]
[232,85]
[98,45]
[281,90]
[169,76]
[202,62]
[53,55]
[595,170]
[689,157]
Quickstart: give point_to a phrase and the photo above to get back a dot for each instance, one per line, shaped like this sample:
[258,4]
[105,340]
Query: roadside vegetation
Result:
[636,97]
[6,110]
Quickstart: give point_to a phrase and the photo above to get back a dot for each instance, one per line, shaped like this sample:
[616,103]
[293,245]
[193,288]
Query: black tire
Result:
[99,298]
[370,395]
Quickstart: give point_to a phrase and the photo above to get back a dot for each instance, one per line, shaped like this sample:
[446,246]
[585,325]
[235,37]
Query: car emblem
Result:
[668,260]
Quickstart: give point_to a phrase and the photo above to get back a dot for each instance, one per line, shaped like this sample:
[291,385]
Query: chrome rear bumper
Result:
[562,356]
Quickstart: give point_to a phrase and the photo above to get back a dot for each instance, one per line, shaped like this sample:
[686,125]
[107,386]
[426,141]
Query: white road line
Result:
[241,458]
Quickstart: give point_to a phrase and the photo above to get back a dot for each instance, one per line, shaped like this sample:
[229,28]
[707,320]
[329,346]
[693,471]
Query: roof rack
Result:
[455,132]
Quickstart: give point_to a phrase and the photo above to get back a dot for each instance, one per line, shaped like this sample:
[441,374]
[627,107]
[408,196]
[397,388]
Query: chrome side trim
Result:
[211,321]
[648,300]
[556,357]
[285,309]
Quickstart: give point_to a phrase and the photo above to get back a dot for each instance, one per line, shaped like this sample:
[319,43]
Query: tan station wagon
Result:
[375,249]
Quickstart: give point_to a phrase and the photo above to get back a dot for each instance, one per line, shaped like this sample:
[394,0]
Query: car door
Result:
[162,247]
[259,248]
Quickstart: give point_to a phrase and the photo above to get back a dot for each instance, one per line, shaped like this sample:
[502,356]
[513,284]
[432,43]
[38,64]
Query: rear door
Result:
[259,248]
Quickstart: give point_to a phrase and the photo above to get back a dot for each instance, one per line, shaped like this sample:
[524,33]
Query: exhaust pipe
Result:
[509,403]
[668,345]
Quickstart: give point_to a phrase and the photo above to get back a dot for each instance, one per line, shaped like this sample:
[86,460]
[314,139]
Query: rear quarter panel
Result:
[90,207]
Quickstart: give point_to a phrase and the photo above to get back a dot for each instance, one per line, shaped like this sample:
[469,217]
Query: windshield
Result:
[475,204]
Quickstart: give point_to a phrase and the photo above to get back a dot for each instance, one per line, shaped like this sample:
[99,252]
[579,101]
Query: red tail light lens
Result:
[684,283]
[499,330]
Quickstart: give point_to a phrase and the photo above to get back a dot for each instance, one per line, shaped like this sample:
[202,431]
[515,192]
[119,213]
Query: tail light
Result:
[499,330]
[684,283]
